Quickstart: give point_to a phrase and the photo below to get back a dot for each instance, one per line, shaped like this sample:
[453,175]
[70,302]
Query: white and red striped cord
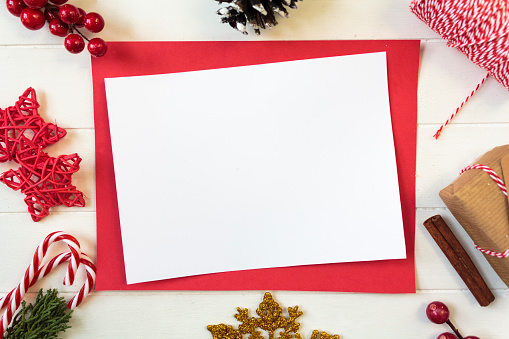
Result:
[477,28]
[503,188]
[37,270]
[439,131]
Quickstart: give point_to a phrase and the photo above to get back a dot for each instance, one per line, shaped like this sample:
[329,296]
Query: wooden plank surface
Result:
[64,88]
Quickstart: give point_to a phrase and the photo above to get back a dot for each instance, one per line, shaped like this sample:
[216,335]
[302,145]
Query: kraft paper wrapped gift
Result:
[482,209]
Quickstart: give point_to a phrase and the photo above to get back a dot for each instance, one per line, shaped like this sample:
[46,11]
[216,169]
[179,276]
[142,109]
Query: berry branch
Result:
[63,20]
[438,313]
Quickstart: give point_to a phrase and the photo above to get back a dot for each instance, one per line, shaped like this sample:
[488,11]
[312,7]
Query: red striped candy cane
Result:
[37,271]
[503,188]
[89,283]
[56,261]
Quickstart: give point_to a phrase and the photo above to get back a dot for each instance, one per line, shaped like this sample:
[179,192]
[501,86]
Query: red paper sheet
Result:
[144,58]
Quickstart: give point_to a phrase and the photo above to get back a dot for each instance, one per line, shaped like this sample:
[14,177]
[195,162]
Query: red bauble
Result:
[74,43]
[58,2]
[32,18]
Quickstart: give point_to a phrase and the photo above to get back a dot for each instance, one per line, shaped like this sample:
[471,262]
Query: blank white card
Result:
[259,166]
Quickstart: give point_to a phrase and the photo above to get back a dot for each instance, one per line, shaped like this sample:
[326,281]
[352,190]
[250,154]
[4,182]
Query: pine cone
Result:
[259,14]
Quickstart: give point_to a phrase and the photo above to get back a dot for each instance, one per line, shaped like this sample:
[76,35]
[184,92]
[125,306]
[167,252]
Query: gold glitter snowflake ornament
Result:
[270,319]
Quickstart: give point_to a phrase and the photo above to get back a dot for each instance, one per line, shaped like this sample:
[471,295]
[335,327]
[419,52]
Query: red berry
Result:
[58,28]
[50,15]
[32,18]
[81,20]
[74,43]
[36,3]
[69,14]
[437,312]
[15,6]
[97,47]
[447,335]
[94,22]
[58,2]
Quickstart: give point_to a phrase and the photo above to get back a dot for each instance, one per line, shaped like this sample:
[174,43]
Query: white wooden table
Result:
[64,87]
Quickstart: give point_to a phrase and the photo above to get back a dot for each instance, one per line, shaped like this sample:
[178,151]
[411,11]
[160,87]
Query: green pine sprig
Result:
[44,319]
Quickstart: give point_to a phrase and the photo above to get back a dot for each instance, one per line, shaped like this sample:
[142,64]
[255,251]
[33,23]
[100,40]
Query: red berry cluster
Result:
[438,313]
[64,21]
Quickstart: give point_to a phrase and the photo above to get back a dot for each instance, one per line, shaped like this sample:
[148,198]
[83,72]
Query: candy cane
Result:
[37,271]
[89,283]
[62,257]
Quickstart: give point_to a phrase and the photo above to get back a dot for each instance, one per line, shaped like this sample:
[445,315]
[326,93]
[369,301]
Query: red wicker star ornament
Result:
[23,120]
[45,180]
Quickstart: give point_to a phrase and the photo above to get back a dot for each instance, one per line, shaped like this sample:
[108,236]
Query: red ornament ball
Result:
[447,335]
[15,6]
[32,18]
[97,47]
[74,43]
[58,2]
[94,22]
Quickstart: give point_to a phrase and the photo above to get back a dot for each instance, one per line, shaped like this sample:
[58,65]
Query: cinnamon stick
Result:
[459,259]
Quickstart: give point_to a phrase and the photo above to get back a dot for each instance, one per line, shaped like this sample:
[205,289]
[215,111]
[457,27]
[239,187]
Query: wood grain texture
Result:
[64,88]
[196,20]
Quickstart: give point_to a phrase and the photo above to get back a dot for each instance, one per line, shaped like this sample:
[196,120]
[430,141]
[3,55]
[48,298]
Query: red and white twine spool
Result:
[37,270]
[477,28]
[503,188]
